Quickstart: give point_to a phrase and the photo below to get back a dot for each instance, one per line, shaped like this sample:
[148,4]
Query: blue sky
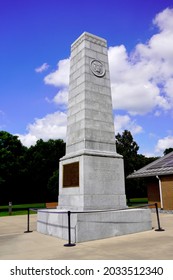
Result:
[35,39]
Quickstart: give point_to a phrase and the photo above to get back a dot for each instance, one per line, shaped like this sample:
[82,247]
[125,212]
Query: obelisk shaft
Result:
[90,123]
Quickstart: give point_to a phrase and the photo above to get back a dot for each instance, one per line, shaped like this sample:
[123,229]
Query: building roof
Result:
[161,166]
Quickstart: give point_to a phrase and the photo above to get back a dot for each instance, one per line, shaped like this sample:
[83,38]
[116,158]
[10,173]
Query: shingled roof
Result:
[161,166]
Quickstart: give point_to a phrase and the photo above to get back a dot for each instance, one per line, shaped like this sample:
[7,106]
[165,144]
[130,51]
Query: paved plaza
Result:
[149,245]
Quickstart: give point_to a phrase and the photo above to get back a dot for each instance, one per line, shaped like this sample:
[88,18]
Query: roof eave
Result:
[151,174]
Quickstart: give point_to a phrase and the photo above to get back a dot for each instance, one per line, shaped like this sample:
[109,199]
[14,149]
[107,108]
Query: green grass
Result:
[137,201]
[16,209]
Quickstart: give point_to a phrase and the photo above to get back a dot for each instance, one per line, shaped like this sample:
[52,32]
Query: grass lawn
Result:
[137,201]
[19,209]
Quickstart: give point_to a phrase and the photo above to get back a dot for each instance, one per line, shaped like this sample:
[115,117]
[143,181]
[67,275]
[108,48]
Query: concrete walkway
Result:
[17,245]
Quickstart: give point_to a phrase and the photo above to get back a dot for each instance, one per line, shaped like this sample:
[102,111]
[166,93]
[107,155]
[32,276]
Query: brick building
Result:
[159,179]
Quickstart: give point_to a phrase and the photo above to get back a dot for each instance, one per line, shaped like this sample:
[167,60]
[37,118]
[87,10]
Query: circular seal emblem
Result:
[97,68]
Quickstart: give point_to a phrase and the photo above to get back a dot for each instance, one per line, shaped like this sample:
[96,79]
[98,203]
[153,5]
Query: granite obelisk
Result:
[91,174]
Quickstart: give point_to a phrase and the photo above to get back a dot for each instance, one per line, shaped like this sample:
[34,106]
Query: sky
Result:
[35,41]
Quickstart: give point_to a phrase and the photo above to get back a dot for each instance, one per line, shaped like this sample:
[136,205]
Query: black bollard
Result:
[69,244]
[27,231]
[158,220]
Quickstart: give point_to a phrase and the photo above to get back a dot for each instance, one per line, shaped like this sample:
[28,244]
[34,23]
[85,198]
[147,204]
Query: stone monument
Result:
[91,174]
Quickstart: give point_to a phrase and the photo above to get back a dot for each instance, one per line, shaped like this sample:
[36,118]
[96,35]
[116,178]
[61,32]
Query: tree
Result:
[29,174]
[128,148]
[11,166]
[167,151]
[43,164]
[53,187]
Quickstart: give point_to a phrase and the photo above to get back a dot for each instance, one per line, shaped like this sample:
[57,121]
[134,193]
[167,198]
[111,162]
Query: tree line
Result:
[29,175]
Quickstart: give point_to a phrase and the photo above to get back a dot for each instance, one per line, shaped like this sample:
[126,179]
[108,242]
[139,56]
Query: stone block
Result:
[94,225]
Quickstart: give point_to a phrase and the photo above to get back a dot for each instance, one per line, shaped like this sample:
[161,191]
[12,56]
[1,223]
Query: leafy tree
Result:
[167,151]
[29,174]
[11,166]
[53,187]
[43,164]
[128,148]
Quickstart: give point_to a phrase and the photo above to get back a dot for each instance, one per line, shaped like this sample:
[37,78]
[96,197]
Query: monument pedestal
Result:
[94,226]
[99,181]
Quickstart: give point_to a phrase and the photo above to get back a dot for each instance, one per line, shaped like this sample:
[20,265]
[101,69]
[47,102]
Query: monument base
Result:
[94,225]
[99,184]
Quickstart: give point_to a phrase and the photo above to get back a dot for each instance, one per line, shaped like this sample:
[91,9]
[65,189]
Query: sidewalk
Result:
[17,245]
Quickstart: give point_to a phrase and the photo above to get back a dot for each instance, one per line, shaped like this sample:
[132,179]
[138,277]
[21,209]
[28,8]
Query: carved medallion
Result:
[97,68]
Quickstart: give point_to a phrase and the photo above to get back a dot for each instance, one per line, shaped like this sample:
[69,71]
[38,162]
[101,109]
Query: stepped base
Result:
[93,226]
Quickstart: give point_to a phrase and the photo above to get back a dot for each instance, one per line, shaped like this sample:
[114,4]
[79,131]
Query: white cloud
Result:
[61,98]
[60,77]
[42,68]
[142,81]
[27,139]
[164,20]
[164,143]
[134,98]
[124,122]
[52,126]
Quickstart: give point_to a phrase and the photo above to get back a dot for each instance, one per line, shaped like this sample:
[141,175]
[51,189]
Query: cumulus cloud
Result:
[42,68]
[27,139]
[164,20]
[142,81]
[61,98]
[164,143]
[52,126]
[60,77]
[124,122]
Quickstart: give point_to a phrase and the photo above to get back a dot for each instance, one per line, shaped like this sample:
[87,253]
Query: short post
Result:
[69,244]
[27,231]
[10,208]
[158,220]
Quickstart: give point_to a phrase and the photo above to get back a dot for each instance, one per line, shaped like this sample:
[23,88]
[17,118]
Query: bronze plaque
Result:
[71,175]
